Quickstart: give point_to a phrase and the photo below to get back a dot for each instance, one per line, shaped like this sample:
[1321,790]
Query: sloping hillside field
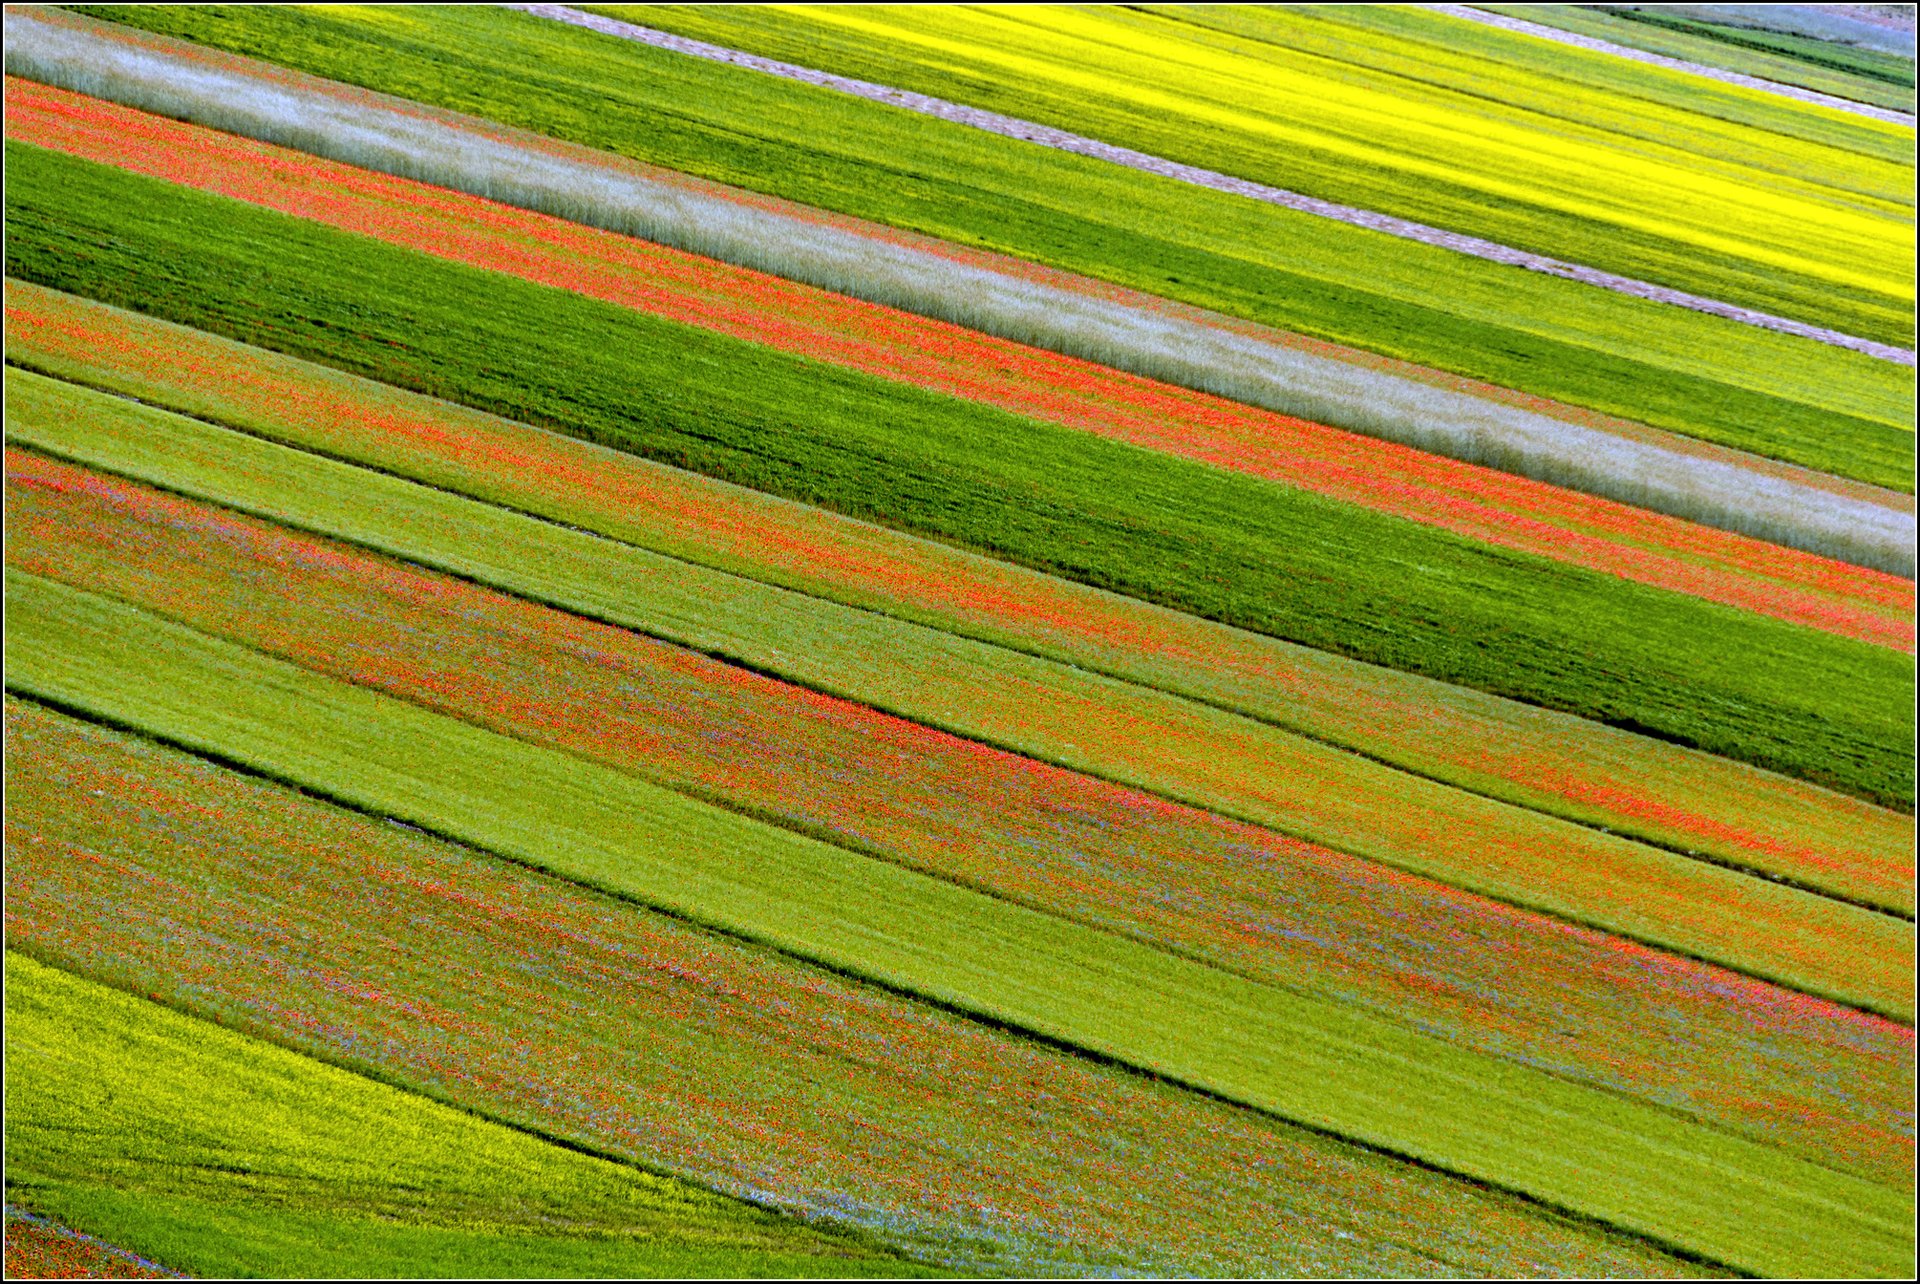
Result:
[898,642]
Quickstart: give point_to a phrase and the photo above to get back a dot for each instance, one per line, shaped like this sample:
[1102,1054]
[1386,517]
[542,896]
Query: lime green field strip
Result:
[221,1155]
[1678,370]
[1113,730]
[1634,1167]
[1409,125]
[1636,786]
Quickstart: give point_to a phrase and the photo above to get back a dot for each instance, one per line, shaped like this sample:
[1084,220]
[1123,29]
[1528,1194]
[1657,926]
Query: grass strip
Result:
[225,1156]
[1479,503]
[1634,1167]
[1633,785]
[1183,751]
[636,1035]
[1220,544]
[1737,1053]
[1418,116]
[1780,397]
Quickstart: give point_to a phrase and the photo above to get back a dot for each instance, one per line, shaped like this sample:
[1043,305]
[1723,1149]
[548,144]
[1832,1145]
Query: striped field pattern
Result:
[726,642]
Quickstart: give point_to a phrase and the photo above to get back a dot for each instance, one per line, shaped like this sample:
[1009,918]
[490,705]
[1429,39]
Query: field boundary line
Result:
[1079,144]
[1520,26]
[725,657]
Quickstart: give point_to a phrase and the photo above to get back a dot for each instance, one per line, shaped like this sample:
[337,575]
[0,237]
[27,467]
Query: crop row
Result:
[1217,543]
[1395,117]
[1177,749]
[1474,502]
[1277,911]
[221,1155]
[1546,762]
[1777,396]
[645,1038]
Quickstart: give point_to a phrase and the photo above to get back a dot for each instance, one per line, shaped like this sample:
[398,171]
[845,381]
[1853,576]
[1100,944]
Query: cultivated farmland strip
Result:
[230,1157]
[1183,751]
[1637,1168]
[1780,397]
[1476,502]
[1163,528]
[1735,1052]
[641,1037]
[1745,276]
[1547,762]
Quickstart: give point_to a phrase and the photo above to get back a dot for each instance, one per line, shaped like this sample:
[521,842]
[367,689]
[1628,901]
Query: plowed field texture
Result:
[900,642]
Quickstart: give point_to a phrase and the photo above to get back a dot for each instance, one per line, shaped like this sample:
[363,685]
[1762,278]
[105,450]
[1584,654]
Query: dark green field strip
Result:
[1350,108]
[1060,715]
[221,1155]
[1217,544]
[1787,398]
[1634,1167]
[590,1019]
[1635,786]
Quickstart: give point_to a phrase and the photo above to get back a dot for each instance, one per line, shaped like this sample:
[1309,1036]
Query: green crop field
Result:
[1560,765]
[1786,398]
[1229,547]
[1053,841]
[1192,753]
[1576,1148]
[545,994]
[625,661]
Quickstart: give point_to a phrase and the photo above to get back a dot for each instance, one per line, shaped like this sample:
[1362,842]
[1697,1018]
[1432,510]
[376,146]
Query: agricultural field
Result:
[1825,407]
[746,642]
[1349,104]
